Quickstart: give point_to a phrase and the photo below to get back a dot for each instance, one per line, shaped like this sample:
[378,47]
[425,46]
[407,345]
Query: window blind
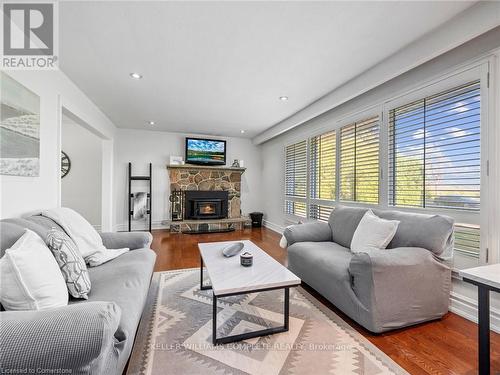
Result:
[295,208]
[347,162]
[359,161]
[320,212]
[322,166]
[434,151]
[296,169]
[468,239]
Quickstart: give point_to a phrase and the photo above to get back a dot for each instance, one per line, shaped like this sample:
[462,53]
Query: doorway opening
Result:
[81,169]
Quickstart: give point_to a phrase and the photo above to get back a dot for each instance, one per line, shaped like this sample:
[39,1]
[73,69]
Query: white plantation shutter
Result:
[435,158]
[468,239]
[434,151]
[322,175]
[347,162]
[359,161]
[367,160]
[320,212]
[296,170]
[296,208]
[322,159]
[296,178]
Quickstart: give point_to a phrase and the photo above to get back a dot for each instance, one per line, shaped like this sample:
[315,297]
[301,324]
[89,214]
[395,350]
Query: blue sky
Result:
[203,145]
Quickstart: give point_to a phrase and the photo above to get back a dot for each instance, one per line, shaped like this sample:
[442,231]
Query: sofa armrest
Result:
[71,337]
[400,286]
[132,240]
[308,232]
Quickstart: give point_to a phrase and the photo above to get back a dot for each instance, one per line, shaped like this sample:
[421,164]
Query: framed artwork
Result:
[19,129]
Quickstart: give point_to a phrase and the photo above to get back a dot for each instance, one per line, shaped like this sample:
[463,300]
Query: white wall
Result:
[20,195]
[81,188]
[144,146]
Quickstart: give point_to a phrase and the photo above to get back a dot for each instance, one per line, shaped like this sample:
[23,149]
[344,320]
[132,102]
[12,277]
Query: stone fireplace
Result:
[227,180]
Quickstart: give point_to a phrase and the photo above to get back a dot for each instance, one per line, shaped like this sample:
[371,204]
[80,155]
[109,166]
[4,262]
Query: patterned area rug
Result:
[175,334]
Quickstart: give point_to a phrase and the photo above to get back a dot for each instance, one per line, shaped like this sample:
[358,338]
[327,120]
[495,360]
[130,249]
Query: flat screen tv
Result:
[205,151]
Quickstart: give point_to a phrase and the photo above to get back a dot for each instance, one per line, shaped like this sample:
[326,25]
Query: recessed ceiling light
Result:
[151,122]
[242,131]
[283,98]
[135,75]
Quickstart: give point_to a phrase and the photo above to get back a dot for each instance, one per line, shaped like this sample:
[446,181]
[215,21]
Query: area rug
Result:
[175,334]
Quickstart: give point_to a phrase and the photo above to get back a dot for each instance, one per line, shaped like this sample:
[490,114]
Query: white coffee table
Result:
[229,278]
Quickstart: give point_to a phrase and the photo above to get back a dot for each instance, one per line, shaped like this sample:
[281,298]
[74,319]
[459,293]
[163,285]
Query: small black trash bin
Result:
[256,218]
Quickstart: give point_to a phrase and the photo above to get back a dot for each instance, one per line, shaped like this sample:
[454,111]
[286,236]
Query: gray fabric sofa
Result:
[93,336]
[408,283]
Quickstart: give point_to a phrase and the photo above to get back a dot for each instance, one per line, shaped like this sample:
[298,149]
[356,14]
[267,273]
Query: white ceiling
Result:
[220,67]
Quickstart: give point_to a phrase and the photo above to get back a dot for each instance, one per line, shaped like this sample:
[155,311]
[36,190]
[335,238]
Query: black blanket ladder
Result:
[131,195]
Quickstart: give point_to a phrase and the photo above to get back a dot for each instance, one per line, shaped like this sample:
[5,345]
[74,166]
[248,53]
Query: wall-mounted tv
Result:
[205,151]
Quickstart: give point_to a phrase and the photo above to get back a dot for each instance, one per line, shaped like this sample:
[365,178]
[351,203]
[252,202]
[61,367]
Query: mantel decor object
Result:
[236,163]
[176,160]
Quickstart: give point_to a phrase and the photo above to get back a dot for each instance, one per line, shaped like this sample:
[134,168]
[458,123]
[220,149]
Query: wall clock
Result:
[65,164]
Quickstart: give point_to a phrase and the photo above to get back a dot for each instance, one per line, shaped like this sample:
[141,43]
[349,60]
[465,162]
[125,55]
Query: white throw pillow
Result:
[30,276]
[373,233]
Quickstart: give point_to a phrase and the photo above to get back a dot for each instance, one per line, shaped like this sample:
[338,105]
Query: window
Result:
[320,212]
[359,161]
[322,159]
[434,151]
[296,178]
[435,159]
[296,208]
[437,145]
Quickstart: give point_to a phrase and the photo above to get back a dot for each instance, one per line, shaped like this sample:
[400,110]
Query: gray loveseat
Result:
[405,284]
[93,336]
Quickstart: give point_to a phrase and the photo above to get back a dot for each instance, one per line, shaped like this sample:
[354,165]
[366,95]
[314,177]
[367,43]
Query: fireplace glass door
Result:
[208,208]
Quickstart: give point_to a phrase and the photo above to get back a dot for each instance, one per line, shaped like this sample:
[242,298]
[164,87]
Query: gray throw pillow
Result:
[70,262]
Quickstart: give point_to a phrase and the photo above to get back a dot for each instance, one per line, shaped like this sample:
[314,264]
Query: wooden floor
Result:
[447,346]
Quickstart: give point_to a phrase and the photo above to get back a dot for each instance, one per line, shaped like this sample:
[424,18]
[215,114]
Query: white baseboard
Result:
[275,227]
[154,225]
[161,225]
[467,308]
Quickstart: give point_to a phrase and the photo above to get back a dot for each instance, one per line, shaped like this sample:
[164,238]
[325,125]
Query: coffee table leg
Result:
[286,309]
[250,335]
[484,330]
[201,272]
[214,319]
[203,287]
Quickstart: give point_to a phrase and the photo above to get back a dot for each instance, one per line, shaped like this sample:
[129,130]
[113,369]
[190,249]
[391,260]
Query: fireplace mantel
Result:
[205,167]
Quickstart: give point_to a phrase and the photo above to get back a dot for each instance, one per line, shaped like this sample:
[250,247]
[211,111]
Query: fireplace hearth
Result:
[200,205]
